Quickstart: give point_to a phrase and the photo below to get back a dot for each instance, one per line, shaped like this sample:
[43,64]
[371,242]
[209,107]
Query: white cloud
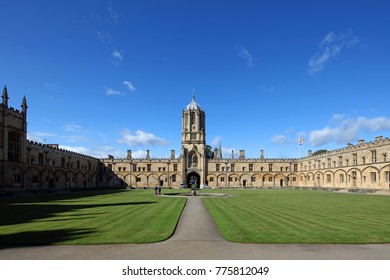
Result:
[117,57]
[74,138]
[50,86]
[111,91]
[215,142]
[72,127]
[112,15]
[40,137]
[330,47]
[245,54]
[281,139]
[141,138]
[104,37]
[138,154]
[98,152]
[129,85]
[348,129]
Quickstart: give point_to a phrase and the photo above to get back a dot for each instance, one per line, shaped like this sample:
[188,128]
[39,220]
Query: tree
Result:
[209,152]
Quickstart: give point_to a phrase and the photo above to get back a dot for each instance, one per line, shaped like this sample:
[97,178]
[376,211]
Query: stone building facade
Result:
[29,165]
[365,166]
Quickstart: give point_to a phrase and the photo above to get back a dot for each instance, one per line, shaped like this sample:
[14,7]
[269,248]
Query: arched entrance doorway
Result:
[193,178]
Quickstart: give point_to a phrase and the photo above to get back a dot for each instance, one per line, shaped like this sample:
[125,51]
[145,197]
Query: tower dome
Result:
[193,105]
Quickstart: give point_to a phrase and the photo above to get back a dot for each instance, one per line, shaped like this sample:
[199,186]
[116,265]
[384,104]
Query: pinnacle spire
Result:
[24,105]
[193,94]
[5,96]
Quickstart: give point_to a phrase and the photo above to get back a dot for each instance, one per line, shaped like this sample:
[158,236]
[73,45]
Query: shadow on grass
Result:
[47,237]
[40,198]
[22,213]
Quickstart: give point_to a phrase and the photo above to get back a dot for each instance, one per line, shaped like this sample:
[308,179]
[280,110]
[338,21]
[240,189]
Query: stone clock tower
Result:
[193,145]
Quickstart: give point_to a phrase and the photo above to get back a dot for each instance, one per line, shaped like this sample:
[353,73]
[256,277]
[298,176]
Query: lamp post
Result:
[169,179]
[113,174]
[226,174]
[28,168]
[70,174]
[131,167]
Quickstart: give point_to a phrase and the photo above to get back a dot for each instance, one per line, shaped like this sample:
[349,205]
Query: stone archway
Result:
[193,178]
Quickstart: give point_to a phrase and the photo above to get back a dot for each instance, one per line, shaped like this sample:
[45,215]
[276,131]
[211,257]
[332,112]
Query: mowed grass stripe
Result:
[284,216]
[90,218]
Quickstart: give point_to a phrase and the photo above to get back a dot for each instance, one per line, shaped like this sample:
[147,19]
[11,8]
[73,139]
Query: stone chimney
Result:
[147,154]
[128,154]
[310,153]
[173,154]
[262,154]
[379,138]
[360,142]
[242,154]
[232,154]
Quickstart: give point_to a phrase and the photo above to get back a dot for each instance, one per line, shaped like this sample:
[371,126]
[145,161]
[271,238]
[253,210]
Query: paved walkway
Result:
[197,238]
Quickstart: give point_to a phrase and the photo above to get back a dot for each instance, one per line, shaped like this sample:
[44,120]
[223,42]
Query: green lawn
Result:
[287,216]
[89,218]
[248,216]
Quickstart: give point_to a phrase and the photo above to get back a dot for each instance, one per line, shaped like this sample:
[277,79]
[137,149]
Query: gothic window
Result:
[373,153]
[373,177]
[355,159]
[40,159]
[340,161]
[193,119]
[13,146]
[387,175]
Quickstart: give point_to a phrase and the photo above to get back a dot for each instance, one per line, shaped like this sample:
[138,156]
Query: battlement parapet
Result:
[56,148]
[350,148]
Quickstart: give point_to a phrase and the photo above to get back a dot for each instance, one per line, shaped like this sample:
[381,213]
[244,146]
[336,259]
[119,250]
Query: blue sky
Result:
[102,77]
